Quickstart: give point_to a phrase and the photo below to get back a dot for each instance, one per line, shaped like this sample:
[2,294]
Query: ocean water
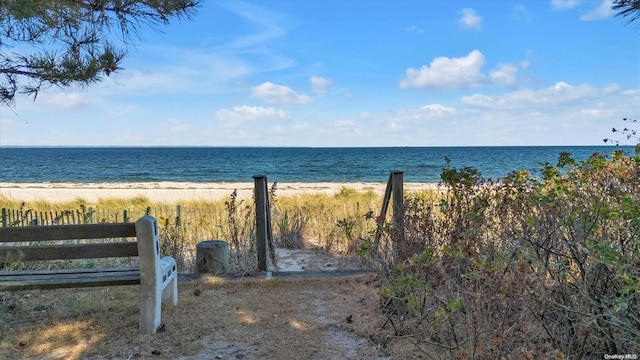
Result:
[203,164]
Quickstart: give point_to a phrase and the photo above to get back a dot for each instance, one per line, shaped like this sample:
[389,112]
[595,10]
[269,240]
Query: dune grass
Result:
[331,223]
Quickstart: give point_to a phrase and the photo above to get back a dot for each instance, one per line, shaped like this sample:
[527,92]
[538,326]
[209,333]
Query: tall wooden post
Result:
[178,216]
[397,187]
[262,226]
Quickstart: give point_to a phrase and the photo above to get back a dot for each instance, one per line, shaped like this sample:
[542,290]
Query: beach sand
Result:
[173,192]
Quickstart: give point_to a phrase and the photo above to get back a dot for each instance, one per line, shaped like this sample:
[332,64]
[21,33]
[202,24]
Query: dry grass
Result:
[249,319]
[333,223]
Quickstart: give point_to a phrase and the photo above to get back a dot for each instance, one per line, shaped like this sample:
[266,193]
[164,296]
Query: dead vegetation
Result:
[249,319]
[528,267]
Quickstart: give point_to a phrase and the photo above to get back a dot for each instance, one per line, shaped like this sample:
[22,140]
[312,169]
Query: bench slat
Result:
[68,278]
[67,251]
[67,232]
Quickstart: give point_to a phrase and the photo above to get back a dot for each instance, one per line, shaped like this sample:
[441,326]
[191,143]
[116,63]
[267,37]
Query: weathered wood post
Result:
[262,226]
[4,217]
[397,187]
[178,216]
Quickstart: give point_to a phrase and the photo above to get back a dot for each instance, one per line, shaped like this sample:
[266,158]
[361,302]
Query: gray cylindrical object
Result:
[212,257]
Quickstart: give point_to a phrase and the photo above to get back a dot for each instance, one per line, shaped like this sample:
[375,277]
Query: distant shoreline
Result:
[172,192]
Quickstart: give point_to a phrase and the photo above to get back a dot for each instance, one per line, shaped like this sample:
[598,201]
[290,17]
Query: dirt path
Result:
[318,321]
[313,260]
[215,319]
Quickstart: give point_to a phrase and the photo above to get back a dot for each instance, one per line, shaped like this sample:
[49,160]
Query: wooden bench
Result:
[157,276]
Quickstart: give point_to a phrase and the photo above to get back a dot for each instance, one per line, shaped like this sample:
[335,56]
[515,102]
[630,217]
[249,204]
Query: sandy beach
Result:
[172,192]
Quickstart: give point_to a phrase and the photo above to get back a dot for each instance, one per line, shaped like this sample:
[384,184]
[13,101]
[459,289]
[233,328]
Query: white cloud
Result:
[601,12]
[564,4]
[7,122]
[67,100]
[469,19]
[559,94]
[504,75]
[611,88]
[279,94]
[438,110]
[221,66]
[414,28]
[410,121]
[462,72]
[250,113]
[320,85]
[444,72]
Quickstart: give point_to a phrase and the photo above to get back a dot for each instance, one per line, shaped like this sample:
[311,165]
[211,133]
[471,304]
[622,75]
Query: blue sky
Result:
[356,73]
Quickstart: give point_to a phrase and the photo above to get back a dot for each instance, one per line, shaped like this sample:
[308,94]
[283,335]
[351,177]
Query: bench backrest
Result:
[149,249]
[45,250]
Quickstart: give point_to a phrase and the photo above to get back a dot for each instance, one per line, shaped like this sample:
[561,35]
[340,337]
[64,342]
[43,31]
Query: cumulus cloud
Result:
[437,110]
[469,19]
[564,4]
[559,94]
[320,85]
[67,101]
[444,72]
[250,113]
[504,75]
[279,94]
[462,72]
[601,12]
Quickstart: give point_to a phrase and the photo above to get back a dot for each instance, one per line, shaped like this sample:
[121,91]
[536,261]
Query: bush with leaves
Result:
[528,266]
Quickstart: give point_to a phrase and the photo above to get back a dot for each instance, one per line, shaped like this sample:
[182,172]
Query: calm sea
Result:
[202,164]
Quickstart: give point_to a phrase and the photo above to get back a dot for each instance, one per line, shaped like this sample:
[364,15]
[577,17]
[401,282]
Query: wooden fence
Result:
[177,215]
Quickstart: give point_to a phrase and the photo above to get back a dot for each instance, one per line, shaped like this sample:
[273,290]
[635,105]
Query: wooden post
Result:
[397,187]
[4,217]
[383,213]
[262,227]
[178,216]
